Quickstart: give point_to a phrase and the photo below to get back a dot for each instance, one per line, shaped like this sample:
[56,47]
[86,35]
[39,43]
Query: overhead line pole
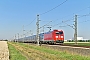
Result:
[23,33]
[15,37]
[75,28]
[30,32]
[37,23]
[75,35]
[18,37]
[43,29]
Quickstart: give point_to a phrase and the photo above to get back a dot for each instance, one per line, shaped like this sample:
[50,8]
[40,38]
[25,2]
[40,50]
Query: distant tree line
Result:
[4,40]
[79,40]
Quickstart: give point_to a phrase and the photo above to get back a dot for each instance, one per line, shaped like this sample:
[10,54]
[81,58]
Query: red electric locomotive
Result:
[55,36]
[51,37]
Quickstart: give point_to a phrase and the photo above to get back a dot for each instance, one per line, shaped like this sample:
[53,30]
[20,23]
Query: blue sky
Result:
[16,13]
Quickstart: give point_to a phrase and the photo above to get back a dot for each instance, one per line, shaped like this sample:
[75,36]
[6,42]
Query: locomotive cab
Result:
[58,36]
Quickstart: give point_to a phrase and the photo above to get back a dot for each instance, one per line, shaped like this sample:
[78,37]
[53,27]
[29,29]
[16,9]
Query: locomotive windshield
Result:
[59,32]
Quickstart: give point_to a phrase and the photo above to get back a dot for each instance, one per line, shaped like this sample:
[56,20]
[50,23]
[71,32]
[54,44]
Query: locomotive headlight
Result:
[61,36]
[56,36]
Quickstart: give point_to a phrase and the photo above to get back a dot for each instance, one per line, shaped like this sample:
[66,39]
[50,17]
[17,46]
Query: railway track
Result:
[64,45]
[77,46]
[83,51]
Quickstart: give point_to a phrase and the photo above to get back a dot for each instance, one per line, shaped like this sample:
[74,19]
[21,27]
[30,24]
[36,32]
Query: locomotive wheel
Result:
[54,43]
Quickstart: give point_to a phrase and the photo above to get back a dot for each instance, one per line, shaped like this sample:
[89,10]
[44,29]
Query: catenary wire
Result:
[54,8]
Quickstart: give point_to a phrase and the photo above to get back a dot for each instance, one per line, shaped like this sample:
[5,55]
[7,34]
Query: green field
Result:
[15,54]
[78,43]
[40,53]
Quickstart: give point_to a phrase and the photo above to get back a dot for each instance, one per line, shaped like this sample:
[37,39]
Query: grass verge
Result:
[55,54]
[78,44]
[45,53]
[15,54]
